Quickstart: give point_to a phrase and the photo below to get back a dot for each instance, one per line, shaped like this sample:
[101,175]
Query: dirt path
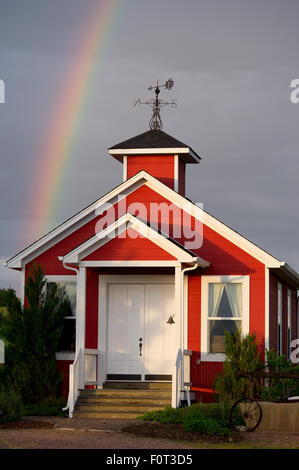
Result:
[107,434]
[82,434]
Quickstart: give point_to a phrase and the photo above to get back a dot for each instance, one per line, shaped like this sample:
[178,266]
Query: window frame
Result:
[65,355]
[289,323]
[207,356]
[279,318]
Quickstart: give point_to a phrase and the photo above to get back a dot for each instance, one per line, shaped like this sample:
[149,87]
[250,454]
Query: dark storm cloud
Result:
[232,62]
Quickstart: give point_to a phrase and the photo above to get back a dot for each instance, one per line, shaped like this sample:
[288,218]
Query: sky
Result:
[232,62]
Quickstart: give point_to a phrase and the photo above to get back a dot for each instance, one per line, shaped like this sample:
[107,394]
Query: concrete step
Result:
[137,385]
[117,407]
[120,399]
[124,393]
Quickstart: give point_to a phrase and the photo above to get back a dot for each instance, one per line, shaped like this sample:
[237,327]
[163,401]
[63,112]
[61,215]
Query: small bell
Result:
[171,320]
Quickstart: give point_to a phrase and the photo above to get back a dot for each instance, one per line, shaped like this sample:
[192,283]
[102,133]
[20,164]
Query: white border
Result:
[125,167]
[205,280]
[176,173]
[267,308]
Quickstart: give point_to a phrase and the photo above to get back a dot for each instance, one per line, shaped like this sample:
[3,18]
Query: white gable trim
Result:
[156,151]
[126,188]
[121,225]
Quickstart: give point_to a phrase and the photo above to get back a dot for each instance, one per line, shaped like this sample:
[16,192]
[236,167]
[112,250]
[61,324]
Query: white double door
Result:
[141,343]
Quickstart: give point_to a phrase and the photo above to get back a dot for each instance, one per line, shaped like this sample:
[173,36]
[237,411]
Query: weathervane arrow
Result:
[156,104]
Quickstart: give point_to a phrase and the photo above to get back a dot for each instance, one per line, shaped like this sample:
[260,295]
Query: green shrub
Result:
[278,388]
[50,406]
[198,422]
[10,406]
[212,418]
[242,356]
[167,416]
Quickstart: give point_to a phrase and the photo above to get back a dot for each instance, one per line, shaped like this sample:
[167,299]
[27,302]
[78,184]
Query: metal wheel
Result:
[245,415]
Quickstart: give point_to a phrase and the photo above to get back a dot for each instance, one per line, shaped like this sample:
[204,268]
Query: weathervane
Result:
[156,104]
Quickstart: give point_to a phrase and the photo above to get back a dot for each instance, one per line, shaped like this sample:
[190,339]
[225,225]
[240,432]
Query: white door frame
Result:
[104,281]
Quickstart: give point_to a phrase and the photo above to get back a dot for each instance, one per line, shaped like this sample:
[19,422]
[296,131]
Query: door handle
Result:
[140,346]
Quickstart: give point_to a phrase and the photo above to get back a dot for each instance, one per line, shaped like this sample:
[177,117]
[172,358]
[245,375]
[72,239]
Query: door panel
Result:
[141,311]
[160,341]
[125,327]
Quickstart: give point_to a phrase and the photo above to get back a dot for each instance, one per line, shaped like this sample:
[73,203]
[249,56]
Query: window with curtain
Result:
[224,313]
[68,338]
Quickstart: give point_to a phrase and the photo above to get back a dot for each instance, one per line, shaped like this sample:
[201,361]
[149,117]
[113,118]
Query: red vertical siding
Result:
[92,308]
[131,247]
[274,280]
[161,167]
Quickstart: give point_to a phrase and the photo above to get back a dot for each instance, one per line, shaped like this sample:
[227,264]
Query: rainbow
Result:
[59,147]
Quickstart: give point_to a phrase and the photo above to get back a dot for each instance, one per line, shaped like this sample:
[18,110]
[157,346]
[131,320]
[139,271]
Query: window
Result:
[279,319]
[225,307]
[225,313]
[68,338]
[289,322]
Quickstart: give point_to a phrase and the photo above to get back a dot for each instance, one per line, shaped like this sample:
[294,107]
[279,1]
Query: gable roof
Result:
[127,187]
[153,142]
[125,222]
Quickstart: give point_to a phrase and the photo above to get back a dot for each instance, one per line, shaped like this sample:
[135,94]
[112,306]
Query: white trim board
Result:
[128,187]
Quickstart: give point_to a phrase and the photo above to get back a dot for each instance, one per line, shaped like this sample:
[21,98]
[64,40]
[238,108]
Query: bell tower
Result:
[154,151]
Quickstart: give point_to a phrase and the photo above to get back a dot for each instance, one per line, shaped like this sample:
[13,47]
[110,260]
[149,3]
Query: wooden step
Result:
[137,385]
[106,415]
[124,393]
[163,401]
[123,400]
[116,407]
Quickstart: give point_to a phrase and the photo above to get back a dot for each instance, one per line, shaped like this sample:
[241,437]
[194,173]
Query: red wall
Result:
[161,167]
[274,280]
[133,247]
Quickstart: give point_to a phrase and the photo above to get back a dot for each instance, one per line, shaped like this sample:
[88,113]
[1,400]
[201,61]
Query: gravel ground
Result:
[106,434]
[82,434]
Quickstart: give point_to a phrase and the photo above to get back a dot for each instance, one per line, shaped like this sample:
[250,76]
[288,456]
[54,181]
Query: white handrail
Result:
[178,384]
[75,382]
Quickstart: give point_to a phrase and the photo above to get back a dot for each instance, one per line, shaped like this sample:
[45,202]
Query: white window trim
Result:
[279,317]
[289,324]
[205,281]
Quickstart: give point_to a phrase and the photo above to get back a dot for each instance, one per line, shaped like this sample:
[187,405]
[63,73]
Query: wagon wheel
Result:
[245,415]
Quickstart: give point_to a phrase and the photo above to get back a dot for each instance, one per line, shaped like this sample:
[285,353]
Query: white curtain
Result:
[234,294]
[215,294]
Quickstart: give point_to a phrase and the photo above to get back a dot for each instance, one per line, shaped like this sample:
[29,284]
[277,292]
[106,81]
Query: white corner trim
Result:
[205,280]
[267,308]
[22,285]
[176,173]
[125,167]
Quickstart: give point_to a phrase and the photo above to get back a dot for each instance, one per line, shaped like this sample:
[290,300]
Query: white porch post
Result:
[80,320]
